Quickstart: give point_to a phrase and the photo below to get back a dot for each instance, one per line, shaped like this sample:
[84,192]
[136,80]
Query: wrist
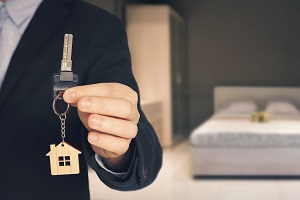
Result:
[121,163]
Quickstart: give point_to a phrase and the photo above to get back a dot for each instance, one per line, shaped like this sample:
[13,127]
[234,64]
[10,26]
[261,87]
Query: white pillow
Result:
[241,107]
[281,108]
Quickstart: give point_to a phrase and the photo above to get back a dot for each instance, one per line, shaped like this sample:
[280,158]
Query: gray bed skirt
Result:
[245,161]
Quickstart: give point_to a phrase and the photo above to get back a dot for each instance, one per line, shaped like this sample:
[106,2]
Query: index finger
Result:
[112,90]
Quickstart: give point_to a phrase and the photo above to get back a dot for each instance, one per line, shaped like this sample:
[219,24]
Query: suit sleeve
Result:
[109,61]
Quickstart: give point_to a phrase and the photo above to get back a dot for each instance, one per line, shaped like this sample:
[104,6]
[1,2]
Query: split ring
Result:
[54,105]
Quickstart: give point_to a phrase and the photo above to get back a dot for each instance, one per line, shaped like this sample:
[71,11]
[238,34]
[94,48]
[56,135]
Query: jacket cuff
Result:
[102,165]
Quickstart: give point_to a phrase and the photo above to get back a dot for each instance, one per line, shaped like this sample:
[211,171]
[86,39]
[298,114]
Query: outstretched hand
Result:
[109,112]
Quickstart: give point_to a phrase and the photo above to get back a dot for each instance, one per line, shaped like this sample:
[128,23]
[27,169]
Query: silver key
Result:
[65,78]
[66,62]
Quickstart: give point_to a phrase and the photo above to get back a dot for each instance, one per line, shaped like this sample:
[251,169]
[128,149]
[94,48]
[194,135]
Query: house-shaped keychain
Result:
[63,159]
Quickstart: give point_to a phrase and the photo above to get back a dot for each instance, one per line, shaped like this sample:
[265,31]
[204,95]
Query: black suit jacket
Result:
[28,124]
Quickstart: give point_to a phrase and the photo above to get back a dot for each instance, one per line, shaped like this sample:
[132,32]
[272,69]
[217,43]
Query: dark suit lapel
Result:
[46,19]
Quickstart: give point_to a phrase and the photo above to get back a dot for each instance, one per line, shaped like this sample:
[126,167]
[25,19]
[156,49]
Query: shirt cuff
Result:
[101,164]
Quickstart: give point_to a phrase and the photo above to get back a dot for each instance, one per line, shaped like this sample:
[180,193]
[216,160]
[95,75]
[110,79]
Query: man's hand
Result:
[109,112]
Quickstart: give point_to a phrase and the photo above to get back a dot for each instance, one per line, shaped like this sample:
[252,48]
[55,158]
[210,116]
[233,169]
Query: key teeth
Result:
[65,47]
[70,44]
[66,63]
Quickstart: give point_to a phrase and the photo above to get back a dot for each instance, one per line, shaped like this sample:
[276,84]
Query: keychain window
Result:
[64,161]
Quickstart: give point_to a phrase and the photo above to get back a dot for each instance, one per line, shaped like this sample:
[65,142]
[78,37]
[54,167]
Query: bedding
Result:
[236,130]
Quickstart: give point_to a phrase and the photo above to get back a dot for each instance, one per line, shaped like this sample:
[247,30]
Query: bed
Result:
[230,144]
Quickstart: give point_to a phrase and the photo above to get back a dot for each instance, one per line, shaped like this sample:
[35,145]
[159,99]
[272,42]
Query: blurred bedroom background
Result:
[220,83]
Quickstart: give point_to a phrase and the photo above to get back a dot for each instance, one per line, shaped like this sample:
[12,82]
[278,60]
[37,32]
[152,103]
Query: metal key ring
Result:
[54,106]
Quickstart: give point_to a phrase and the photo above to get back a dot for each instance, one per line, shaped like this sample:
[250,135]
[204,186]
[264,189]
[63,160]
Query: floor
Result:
[175,183]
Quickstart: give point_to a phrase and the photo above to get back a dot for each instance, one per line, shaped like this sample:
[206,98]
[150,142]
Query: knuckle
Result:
[131,94]
[128,109]
[90,121]
[101,104]
[133,131]
[118,85]
[85,103]
[79,105]
[95,121]
[135,96]
[110,89]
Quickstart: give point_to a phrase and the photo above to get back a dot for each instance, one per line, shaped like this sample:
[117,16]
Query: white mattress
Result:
[238,131]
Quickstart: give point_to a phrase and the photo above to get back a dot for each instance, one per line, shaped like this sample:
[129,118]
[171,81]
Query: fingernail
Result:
[85,103]
[96,121]
[93,137]
[70,95]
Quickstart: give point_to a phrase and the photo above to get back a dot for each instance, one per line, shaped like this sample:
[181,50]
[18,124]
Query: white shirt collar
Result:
[20,10]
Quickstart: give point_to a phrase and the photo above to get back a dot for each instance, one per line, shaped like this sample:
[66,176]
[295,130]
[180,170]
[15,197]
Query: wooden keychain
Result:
[64,159]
